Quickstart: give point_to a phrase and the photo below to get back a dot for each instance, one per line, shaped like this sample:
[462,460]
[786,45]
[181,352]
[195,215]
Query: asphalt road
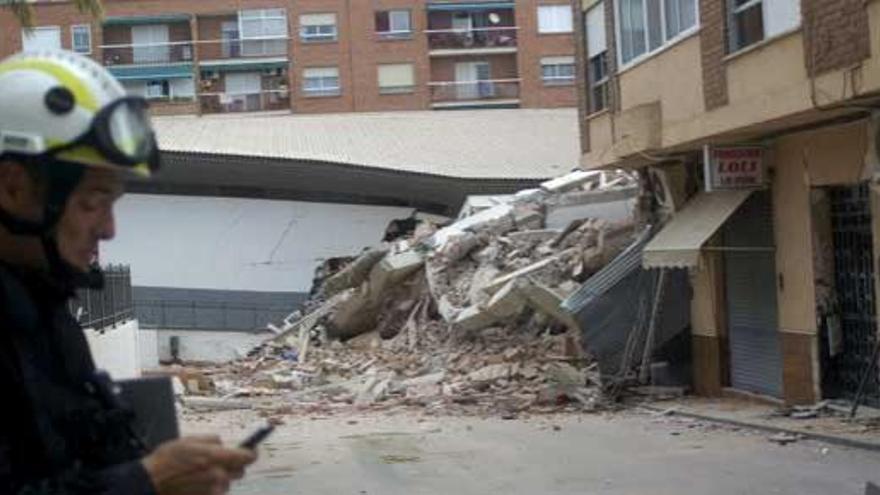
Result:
[620,454]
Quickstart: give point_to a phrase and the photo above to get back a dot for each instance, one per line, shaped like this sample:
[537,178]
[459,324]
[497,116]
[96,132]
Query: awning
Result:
[678,244]
[437,7]
[150,72]
[145,19]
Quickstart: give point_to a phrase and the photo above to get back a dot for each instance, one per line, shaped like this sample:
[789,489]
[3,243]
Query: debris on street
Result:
[464,317]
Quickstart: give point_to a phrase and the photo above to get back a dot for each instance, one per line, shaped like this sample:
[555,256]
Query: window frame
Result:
[594,84]
[48,27]
[396,90]
[319,37]
[88,30]
[322,92]
[557,80]
[163,83]
[554,6]
[666,41]
[247,42]
[732,41]
[394,33]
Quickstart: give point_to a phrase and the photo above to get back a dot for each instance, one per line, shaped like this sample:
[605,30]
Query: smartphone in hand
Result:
[257,437]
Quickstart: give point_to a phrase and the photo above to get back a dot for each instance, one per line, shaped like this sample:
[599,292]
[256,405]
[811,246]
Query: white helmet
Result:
[63,106]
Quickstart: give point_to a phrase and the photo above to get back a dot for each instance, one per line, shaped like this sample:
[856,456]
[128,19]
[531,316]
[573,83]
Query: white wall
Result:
[148,347]
[117,350]
[198,345]
[237,244]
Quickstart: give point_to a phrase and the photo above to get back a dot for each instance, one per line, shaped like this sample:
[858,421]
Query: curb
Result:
[831,439]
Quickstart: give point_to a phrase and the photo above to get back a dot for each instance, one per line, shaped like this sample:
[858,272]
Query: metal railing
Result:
[238,48]
[462,39]
[266,100]
[148,53]
[108,307]
[185,51]
[207,315]
[484,89]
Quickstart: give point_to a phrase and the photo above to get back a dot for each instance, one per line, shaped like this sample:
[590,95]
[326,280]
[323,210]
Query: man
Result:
[68,134]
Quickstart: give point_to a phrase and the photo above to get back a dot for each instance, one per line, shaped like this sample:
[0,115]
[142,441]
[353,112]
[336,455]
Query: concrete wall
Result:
[116,350]
[207,346]
[148,347]
[238,244]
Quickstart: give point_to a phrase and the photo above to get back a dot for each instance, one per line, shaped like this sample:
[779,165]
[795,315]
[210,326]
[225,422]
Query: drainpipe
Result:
[351,43]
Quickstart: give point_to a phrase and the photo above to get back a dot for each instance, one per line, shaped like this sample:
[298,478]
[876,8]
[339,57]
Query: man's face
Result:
[88,217]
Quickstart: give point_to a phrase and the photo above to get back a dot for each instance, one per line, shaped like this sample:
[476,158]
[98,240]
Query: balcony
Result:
[235,49]
[459,41]
[266,100]
[480,93]
[175,52]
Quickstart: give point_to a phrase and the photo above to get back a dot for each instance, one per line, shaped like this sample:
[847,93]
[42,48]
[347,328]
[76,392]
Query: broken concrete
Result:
[354,274]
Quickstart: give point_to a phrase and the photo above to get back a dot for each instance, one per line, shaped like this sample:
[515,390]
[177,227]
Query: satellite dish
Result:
[494,18]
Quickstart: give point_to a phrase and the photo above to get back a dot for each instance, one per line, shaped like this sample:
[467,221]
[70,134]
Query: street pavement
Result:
[622,454]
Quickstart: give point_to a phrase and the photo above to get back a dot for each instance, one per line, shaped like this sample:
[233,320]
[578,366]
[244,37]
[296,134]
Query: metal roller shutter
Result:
[755,357]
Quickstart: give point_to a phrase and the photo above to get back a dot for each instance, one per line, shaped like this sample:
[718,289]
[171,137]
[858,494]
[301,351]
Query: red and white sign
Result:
[740,167]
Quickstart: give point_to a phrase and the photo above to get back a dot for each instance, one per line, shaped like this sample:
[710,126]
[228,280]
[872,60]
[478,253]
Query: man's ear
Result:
[19,192]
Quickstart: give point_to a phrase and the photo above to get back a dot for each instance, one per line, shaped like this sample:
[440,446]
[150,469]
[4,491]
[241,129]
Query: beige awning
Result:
[678,244]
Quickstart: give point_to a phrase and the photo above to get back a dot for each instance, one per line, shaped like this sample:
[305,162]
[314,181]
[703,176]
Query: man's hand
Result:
[196,466]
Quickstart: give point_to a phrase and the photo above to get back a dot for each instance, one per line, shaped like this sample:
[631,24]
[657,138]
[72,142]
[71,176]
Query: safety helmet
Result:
[60,105]
[63,113]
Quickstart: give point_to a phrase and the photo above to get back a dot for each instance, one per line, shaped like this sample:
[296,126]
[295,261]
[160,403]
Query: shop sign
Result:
[735,167]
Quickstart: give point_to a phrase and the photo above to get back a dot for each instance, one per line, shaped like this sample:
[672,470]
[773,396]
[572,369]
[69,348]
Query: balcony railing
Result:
[184,51]
[470,91]
[253,102]
[237,48]
[148,53]
[463,39]
[110,306]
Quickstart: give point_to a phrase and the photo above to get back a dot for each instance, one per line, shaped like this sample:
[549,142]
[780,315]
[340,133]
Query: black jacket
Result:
[56,435]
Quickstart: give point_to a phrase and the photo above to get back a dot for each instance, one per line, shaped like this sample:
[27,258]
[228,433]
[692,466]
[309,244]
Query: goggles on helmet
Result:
[122,134]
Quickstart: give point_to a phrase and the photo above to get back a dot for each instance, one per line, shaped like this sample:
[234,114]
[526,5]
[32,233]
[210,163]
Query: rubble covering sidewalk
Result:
[458,318]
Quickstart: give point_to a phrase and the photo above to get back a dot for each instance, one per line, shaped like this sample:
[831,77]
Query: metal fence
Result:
[107,307]
[209,315]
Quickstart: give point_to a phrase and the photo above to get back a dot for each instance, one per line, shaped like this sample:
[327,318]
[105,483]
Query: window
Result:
[81,38]
[752,21]
[645,26]
[597,58]
[554,19]
[41,38]
[263,32]
[150,44]
[321,81]
[396,79]
[157,90]
[393,24]
[243,83]
[317,27]
[557,71]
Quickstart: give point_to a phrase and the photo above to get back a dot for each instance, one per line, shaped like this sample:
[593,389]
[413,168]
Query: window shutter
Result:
[316,72]
[317,20]
[396,75]
[780,16]
[597,41]
[559,60]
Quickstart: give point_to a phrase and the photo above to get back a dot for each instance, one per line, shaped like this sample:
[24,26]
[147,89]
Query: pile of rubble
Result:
[464,317]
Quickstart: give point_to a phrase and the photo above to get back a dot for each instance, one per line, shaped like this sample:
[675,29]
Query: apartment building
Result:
[314,56]
[755,124]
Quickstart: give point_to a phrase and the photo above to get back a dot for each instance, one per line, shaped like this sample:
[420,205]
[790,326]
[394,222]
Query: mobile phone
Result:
[257,437]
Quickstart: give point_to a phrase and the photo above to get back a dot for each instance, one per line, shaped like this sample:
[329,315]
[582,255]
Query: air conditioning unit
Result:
[668,186]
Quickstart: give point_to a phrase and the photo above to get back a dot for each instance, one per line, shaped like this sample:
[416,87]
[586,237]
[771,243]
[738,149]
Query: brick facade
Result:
[836,34]
[532,47]
[357,52]
[713,45]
